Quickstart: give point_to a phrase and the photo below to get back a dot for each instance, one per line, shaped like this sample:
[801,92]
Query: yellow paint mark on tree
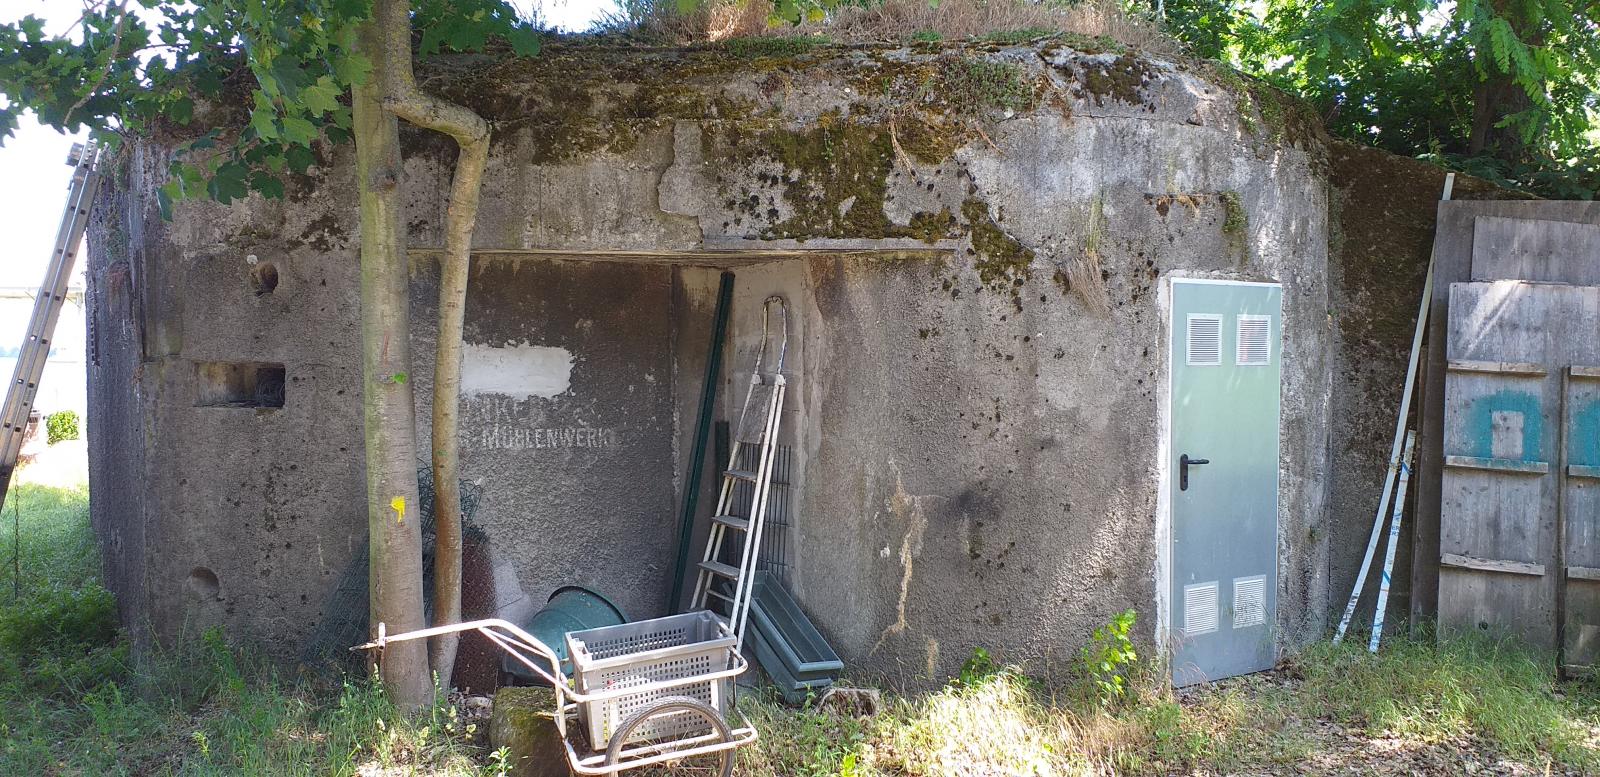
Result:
[399,505]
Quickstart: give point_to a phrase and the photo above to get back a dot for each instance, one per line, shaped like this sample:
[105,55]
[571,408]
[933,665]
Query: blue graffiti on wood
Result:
[1479,431]
[1583,444]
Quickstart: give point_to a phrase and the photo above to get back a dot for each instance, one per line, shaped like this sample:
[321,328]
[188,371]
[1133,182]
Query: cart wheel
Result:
[718,763]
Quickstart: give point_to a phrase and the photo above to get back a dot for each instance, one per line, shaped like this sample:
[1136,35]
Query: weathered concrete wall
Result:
[976,275]
[117,406]
[1383,225]
[572,449]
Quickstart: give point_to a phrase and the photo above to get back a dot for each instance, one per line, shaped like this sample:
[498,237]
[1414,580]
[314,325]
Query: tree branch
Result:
[116,45]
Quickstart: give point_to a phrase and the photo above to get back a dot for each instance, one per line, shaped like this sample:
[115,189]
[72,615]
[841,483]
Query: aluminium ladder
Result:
[47,309]
[749,465]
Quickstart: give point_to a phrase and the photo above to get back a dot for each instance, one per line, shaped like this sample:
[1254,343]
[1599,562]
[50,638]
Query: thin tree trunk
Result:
[471,134]
[393,520]
[1492,101]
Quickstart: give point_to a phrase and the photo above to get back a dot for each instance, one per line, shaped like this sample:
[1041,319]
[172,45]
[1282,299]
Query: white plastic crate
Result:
[615,658]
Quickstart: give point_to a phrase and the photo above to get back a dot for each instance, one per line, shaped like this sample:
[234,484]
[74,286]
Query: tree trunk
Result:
[471,134]
[1493,100]
[1499,95]
[393,518]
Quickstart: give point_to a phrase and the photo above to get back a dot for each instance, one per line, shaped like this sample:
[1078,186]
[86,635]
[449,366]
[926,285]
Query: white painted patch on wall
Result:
[517,370]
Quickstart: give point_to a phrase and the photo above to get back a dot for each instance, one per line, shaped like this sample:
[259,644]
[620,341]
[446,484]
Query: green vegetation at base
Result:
[76,703]
[1456,689]
[1471,699]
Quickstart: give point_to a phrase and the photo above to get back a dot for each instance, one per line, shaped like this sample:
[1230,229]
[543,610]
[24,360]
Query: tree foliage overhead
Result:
[1506,89]
[137,67]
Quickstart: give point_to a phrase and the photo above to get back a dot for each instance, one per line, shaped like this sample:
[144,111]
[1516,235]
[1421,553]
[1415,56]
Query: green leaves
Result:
[1422,77]
[469,25]
[1110,658]
[322,96]
[297,58]
[229,182]
[299,159]
[298,130]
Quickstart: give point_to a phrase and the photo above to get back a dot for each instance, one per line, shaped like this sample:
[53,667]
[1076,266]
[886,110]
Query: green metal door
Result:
[1223,477]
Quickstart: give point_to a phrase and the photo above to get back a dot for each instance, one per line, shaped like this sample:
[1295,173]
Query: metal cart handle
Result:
[518,639]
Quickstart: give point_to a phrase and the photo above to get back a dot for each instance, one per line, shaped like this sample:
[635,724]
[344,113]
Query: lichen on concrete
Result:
[833,179]
[1002,262]
[1122,78]
[1234,219]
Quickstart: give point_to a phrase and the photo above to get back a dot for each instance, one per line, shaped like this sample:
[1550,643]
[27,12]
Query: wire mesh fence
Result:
[345,615]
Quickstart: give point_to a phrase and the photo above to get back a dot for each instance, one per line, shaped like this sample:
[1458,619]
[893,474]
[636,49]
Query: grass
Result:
[1459,701]
[76,702]
[1456,690]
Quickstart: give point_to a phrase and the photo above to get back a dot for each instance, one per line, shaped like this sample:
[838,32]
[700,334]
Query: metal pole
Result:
[708,401]
[1395,517]
[1394,459]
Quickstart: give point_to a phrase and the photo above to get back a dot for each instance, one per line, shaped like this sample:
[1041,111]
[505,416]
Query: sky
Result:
[33,170]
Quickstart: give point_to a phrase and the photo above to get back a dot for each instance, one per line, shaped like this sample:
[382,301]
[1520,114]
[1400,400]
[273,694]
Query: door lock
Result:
[1184,462]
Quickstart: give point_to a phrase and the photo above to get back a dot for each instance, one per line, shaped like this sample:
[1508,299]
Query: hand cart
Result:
[648,693]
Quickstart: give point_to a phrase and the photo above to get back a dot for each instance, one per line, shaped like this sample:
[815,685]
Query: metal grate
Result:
[343,618]
[778,531]
[1203,344]
[1200,608]
[1255,341]
[775,537]
[1249,601]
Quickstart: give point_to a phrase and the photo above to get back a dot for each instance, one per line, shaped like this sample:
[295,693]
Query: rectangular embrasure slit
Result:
[1255,341]
[1249,601]
[1200,609]
[1203,340]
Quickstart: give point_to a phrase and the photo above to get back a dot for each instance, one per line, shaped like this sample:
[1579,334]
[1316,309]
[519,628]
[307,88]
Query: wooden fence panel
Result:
[1580,506]
[1535,250]
[1520,497]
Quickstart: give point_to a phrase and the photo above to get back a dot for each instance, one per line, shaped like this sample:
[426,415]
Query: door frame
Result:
[1164,479]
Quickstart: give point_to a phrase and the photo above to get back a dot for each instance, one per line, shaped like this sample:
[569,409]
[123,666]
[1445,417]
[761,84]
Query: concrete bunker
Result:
[979,344]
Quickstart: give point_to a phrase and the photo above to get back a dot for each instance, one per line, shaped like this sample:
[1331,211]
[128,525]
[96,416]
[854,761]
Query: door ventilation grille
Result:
[1199,609]
[1204,341]
[1249,601]
[1255,340]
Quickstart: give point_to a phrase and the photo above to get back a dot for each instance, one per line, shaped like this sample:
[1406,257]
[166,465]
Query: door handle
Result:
[1184,462]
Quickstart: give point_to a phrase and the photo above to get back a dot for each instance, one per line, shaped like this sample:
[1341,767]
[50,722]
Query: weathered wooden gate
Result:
[1482,240]
[1520,503]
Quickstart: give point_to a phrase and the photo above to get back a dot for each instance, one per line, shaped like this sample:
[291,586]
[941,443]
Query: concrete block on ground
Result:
[523,721]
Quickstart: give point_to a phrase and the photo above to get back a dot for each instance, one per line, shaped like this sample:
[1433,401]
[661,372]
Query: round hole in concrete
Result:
[203,582]
[264,278]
